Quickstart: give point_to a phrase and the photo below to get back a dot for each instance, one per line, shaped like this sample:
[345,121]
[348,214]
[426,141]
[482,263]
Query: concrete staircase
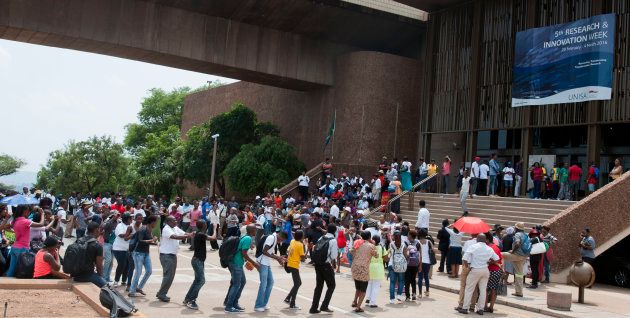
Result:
[493,210]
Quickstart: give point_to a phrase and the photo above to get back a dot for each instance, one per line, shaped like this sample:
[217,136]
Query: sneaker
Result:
[267,307]
[115,284]
[260,309]
[133,295]
[426,293]
[413,297]
[231,311]
[294,308]
[313,311]
[392,301]
[164,299]
[407,299]
[192,305]
[123,284]
[373,306]
[286,300]
[239,308]
[141,292]
[328,310]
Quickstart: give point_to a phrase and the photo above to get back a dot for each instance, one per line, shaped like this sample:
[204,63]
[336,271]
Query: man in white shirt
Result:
[169,245]
[376,189]
[484,169]
[508,178]
[264,257]
[334,210]
[289,199]
[303,183]
[423,217]
[62,214]
[477,258]
[474,175]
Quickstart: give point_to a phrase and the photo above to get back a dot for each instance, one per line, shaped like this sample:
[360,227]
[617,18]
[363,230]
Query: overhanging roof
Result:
[431,5]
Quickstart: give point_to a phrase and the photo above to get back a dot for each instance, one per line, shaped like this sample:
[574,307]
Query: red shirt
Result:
[591,175]
[118,207]
[575,173]
[337,195]
[498,252]
[537,174]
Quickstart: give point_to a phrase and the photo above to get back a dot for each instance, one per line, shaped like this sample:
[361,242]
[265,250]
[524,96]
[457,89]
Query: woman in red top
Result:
[47,263]
[495,275]
[537,178]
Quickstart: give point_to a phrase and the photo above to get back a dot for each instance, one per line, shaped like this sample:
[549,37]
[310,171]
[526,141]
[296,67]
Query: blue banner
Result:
[564,63]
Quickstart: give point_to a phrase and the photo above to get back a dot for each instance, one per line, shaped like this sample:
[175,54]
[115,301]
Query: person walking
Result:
[169,246]
[377,273]
[426,248]
[324,256]
[361,259]
[517,257]
[444,241]
[423,217]
[238,280]
[464,192]
[397,267]
[413,263]
[197,262]
[477,259]
[535,260]
[139,247]
[295,255]
[264,257]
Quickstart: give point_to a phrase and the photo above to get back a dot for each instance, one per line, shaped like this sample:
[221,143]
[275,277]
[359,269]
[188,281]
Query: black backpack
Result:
[228,249]
[117,304]
[25,265]
[319,256]
[76,260]
[261,245]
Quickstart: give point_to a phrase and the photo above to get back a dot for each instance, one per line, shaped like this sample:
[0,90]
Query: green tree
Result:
[236,128]
[9,164]
[95,165]
[258,168]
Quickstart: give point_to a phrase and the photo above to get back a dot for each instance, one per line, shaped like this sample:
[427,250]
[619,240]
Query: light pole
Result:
[214,162]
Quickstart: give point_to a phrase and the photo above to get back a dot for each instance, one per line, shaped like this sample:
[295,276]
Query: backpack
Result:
[414,255]
[526,244]
[319,256]
[76,260]
[228,250]
[399,262]
[261,245]
[117,304]
[25,265]
[596,172]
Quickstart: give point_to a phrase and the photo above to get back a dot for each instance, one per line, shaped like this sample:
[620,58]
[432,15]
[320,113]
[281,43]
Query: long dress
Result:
[405,176]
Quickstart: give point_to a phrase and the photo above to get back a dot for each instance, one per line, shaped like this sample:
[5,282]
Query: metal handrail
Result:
[390,201]
[294,184]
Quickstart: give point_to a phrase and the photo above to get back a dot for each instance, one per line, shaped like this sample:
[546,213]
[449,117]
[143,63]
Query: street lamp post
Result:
[214,162]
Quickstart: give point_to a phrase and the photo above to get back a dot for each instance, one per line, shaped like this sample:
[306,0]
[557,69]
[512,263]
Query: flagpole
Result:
[332,147]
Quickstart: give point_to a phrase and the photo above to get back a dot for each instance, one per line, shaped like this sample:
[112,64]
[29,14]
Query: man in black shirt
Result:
[199,257]
[94,255]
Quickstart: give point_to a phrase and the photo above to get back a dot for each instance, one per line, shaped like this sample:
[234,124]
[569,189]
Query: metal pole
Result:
[214,162]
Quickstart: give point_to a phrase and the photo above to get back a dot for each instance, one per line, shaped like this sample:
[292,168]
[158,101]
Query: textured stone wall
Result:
[605,212]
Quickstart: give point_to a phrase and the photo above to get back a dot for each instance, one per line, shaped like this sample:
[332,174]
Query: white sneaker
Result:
[267,307]
[115,284]
[392,301]
[259,309]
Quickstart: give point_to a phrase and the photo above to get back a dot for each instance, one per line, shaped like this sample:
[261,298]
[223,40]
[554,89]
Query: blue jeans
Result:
[493,184]
[93,278]
[266,285]
[15,254]
[108,261]
[200,280]
[426,268]
[237,283]
[140,259]
[393,279]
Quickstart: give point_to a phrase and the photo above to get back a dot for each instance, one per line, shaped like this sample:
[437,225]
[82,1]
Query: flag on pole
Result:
[331,130]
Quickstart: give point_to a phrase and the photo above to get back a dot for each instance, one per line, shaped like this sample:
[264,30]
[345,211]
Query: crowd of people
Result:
[327,228]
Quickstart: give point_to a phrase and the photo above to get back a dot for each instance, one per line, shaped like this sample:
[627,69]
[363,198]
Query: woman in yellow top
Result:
[377,273]
[617,170]
[295,256]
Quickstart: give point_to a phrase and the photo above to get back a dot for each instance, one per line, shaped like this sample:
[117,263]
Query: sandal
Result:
[358,310]
[354,304]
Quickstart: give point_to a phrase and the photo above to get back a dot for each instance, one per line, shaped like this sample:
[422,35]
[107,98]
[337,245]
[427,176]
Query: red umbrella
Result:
[471,225]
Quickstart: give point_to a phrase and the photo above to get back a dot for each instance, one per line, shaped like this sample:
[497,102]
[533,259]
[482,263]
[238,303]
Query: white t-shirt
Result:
[334,211]
[270,241]
[119,243]
[141,211]
[107,201]
[483,171]
[423,218]
[213,217]
[303,181]
[187,210]
[260,221]
[179,208]
[465,185]
[377,184]
[508,174]
[474,170]
[62,214]
[406,164]
[167,244]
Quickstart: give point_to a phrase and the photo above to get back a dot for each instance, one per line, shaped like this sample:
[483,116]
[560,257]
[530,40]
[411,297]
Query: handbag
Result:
[502,289]
[432,258]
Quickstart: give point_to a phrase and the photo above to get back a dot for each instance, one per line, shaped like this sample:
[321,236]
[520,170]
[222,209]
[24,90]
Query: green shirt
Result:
[244,245]
[564,175]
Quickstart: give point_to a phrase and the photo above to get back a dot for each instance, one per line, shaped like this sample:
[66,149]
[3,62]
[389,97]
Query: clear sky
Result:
[49,96]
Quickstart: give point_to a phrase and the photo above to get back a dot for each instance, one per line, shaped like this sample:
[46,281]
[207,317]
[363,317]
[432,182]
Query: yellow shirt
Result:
[432,169]
[295,253]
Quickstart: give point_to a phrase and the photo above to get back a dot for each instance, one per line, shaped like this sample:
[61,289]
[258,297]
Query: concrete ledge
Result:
[559,300]
[89,294]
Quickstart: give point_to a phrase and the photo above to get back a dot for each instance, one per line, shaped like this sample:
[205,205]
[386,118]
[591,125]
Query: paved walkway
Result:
[600,301]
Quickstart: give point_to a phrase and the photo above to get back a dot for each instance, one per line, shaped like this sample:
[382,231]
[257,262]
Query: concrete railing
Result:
[396,197]
[606,213]
[294,184]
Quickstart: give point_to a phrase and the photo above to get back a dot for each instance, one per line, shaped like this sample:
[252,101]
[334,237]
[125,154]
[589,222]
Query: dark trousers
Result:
[130,268]
[482,186]
[323,274]
[121,267]
[395,207]
[410,280]
[534,264]
[443,253]
[169,265]
[297,282]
